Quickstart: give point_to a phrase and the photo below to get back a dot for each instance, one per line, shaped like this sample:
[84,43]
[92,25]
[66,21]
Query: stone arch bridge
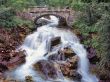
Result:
[34,12]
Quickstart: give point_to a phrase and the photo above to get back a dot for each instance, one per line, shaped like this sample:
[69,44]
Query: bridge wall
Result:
[32,13]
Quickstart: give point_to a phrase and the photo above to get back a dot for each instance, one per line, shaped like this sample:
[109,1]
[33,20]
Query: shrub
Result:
[9,19]
[8,10]
[6,17]
[96,18]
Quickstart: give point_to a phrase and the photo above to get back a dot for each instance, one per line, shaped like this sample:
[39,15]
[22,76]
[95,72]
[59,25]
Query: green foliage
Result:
[8,10]
[54,3]
[95,18]
[104,24]
[17,4]
[6,17]
[78,6]
[22,22]
[41,2]
[9,19]
[3,2]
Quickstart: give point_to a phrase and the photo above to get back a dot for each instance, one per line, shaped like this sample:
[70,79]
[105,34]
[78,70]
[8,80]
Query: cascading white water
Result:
[37,45]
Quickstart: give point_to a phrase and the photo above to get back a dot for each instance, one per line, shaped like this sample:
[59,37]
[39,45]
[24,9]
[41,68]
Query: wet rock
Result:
[3,68]
[68,52]
[46,68]
[62,23]
[69,68]
[55,41]
[92,55]
[57,56]
[94,60]
[28,79]
[62,55]
[91,52]
[75,75]
[70,63]
[74,62]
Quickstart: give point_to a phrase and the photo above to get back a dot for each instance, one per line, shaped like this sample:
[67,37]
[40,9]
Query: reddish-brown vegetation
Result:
[10,39]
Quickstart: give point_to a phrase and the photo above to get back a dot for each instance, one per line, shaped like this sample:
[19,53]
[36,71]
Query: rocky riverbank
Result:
[10,39]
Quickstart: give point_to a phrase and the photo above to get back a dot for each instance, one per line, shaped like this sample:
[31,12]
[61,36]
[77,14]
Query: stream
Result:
[37,45]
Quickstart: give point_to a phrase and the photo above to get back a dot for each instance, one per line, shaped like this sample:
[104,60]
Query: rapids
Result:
[37,45]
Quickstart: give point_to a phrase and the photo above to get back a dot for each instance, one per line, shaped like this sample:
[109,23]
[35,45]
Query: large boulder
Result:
[67,61]
[56,56]
[50,69]
[46,69]
[62,55]
[68,52]
[55,41]
[69,68]
[70,64]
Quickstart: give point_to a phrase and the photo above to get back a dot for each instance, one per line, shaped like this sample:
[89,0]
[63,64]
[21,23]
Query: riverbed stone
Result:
[55,41]
[68,52]
[62,55]
[46,68]
[29,79]
[49,68]
[69,68]
[3,68]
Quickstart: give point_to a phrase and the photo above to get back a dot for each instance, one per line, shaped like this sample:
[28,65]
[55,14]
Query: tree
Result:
[20,4]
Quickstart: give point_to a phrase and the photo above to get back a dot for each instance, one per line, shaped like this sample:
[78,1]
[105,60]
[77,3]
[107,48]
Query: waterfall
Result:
[37,45]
